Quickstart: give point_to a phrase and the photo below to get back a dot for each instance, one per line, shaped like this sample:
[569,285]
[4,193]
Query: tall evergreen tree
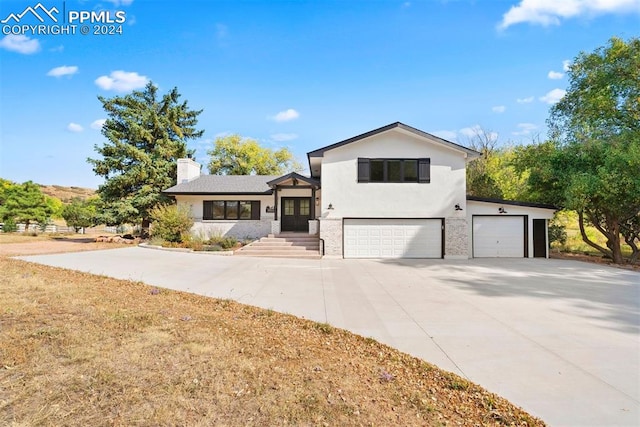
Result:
[24,203]
[145,134]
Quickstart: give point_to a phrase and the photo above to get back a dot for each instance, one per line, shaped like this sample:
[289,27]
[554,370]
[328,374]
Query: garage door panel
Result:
[498,236]
[393,238]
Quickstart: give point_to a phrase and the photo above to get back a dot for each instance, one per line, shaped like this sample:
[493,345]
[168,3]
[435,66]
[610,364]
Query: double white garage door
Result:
[393,238]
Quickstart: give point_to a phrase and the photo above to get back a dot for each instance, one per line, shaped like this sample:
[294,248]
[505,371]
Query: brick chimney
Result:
[188,170]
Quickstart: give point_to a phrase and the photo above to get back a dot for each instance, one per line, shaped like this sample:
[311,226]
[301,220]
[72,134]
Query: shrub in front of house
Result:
[226,242]
[171,223]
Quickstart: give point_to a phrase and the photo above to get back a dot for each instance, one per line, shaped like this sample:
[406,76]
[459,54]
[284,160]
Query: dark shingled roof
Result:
[225,184]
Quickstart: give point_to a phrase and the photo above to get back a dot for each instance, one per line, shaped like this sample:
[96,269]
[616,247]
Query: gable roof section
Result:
[224,184]
[511,202]
[397,125]
[294,175]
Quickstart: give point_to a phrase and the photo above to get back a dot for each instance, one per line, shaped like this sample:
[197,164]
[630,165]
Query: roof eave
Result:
[512,202]
[320,152]
[217,193]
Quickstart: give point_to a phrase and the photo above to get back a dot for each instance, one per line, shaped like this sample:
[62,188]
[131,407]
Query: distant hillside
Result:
[65,194]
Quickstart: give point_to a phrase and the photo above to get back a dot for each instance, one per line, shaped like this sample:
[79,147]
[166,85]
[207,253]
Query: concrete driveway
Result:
[559,338]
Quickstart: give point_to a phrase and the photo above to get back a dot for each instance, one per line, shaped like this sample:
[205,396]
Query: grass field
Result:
[81,350]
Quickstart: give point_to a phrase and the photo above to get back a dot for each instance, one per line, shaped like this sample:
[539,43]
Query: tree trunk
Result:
[586,239]
[616,249]
[612,233]
[144,228]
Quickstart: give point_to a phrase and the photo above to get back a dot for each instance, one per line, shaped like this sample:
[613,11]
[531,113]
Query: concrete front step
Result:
[257,246]
[269,243]
[289,245]
[277,254]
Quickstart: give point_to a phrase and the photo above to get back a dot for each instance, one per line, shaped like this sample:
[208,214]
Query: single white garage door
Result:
[392,238]
[498,236]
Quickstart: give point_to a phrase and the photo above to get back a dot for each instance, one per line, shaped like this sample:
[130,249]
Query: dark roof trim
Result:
[512,202]
[294,175]
[320,152]
[215,193]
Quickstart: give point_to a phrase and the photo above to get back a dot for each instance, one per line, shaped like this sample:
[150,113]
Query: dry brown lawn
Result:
[12,244]
[79,350]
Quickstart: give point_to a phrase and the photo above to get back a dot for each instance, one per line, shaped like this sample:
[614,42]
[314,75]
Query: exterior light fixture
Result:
[501,210]
[330,206]
[457,207]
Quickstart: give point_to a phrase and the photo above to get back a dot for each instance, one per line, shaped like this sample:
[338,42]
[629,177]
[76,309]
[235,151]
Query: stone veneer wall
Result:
[275,227]
[313,226]
[456,238]
[331,233]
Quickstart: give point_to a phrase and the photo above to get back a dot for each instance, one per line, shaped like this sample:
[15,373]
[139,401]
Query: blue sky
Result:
[300,74]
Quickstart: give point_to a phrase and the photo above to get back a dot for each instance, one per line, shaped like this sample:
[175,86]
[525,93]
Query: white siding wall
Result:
[349,198]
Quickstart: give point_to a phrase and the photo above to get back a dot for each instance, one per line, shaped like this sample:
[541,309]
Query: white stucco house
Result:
[393,192]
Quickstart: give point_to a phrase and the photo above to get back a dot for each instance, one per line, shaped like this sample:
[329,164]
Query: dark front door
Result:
[539,238]
[295,213]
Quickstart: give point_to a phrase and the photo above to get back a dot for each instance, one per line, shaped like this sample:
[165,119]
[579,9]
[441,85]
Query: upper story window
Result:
[394,170]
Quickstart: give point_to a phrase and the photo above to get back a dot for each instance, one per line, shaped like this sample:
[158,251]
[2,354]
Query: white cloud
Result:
[550,12]
[553,96]
[97,124]
[449,135]
[285,116]
[63,71]
[476,130]
[74,127]
[470,131]
[499,109]
[566,64]
[526,100]
[122,81]
[59,48]
[281,137]
[525,129]
[554,75]
[223,134]
[20,43]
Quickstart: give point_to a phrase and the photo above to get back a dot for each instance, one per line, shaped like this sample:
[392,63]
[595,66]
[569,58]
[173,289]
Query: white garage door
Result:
[393,238]
[498,236]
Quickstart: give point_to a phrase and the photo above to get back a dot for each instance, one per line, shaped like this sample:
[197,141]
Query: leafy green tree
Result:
[55,205]
[592,164]
[146,134]
[171,222]
[9,226]
[234,155]
[493,174]
[5,184]
[24,203]
[79,214]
